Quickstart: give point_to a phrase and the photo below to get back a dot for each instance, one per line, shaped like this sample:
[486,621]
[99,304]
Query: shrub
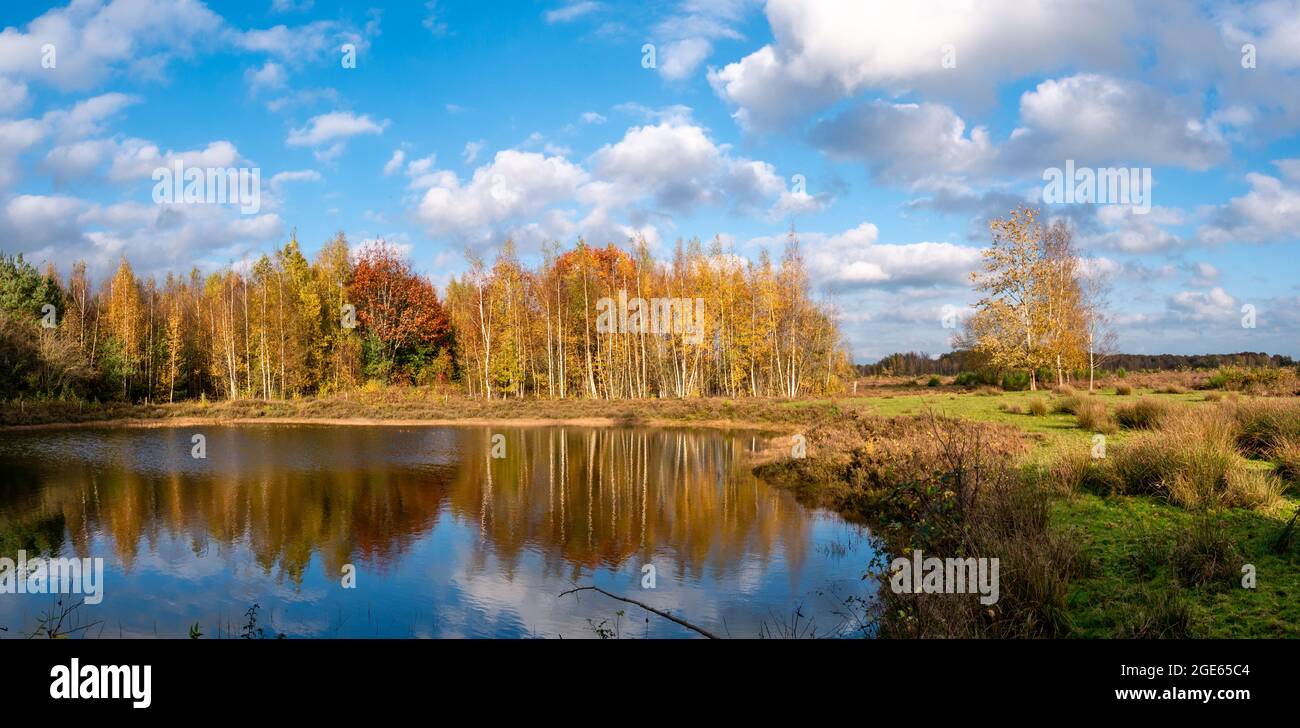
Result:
[1015,381]
[1092,415]
[1067,405]
[1263,423]
[933,382]
[1284,451]
[1063,390]
[975,379]
[1123,390]
[1204,555]
[1038,406]
[1254,379]
[1192,461]
[1163,614]
[1144,414]
[1013,409]
[1078,471]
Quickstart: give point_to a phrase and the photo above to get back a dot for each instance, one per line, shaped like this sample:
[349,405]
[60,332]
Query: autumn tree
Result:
[403,325]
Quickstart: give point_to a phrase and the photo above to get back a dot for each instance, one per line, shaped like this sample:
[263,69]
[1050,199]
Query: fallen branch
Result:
[646,607]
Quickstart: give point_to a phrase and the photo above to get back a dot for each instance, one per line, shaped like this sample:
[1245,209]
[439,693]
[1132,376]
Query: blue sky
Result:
[464,123]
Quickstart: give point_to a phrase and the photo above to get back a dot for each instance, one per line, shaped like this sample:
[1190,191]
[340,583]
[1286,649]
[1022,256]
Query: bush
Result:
[1261,424]
[1078,471]
[1038,406]
[1191,460]
[1254,379]
[1123,390]
[933,382]
[1163,614]
[975,379]
[1067,405]
[1015,381]
[1144,414]
[1285,454]
[1092,415]
[1205,556]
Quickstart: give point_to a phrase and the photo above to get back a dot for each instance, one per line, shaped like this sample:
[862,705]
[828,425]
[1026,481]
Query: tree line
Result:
[283,326]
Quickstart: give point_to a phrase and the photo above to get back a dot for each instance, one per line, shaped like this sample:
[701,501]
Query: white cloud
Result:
[828,50]
[16,137]
[1269,212]
[328,133]
[394,163]
[432,22]
[306,175]
[572,11]
[94,40]
[515,184]
[298,45]
[680,58]
[471,151]
[87,117]
[291,6]
[1213,305]
[13,95]
[924,145]
[155,238]
[270,76]
[1092,119]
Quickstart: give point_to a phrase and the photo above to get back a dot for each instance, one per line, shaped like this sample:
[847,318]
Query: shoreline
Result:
[602,422]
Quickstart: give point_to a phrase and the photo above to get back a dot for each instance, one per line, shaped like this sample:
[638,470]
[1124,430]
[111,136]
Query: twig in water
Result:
[646,607]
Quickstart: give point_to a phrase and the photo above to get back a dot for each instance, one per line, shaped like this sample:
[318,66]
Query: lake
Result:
[395,531]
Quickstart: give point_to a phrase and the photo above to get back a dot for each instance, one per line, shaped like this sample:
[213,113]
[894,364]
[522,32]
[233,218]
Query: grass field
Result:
[1138,550]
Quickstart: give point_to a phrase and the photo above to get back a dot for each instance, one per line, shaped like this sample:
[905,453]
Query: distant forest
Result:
[915,363]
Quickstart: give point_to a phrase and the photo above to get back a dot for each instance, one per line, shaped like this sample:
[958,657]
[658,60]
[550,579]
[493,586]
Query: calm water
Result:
[446,541]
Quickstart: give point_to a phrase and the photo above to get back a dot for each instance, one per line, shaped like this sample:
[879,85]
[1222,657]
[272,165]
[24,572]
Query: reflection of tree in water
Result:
[582,498]
[597,498]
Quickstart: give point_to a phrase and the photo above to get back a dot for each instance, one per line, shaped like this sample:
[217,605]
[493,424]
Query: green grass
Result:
[1117,530]
[1052,433]
[1127,539]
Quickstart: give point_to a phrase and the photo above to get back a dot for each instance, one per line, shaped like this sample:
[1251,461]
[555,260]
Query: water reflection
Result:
[447,540]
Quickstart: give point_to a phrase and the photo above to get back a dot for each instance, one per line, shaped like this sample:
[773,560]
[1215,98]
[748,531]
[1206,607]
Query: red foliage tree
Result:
[398,311]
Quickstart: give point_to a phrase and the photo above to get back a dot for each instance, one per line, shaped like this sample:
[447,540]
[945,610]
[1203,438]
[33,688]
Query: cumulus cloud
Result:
[834,49]
[1269,212]
[16,137]
[270,76]
[514,184]
[1087,118]
[653,174]
[13,95]
[394,163]
[921,145]
[328,133]
[1093,119]
[156,238]
[93,40]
